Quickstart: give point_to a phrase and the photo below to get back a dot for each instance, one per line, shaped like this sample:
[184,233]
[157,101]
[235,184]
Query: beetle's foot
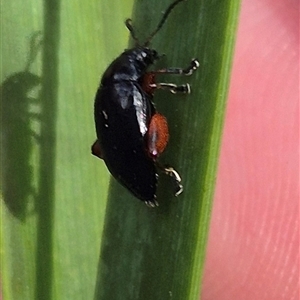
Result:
[185,89]
[192,67]
[176,178]
[152,203]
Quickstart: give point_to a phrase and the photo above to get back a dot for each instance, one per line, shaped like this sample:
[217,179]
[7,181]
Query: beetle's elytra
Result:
[131,134]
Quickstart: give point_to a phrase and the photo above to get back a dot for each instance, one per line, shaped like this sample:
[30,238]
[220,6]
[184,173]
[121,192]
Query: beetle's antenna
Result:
[131,30]
[162,21]
[35,44]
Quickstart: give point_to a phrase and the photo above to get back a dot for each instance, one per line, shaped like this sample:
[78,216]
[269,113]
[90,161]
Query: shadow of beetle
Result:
[17,136]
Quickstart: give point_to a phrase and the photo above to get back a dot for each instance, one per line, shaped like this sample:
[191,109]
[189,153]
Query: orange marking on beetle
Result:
[147,80]
[158,135]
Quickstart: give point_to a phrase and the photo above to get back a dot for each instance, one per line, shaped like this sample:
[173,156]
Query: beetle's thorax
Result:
[130,65]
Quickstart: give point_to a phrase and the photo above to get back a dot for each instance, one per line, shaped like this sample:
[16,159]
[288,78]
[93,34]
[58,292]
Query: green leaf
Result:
[159,253]
[54,192]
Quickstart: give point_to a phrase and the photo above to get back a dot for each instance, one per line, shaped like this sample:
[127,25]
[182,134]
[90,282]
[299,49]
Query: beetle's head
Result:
[146,56]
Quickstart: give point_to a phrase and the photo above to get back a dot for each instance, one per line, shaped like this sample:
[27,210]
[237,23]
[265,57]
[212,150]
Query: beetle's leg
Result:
[173,88]
[35,116]
[96,150]
[194,65]
[35,136]
[175,177]
[149,85]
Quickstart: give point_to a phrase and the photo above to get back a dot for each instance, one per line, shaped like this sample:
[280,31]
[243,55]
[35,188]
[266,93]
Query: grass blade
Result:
[159,253]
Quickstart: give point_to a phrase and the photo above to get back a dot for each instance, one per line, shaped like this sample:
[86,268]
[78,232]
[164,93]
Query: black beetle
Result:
[130,132]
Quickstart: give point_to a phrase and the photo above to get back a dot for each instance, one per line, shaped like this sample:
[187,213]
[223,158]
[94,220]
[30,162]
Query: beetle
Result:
[131,134]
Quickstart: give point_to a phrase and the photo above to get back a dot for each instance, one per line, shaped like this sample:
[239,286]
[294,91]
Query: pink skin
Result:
[253,248]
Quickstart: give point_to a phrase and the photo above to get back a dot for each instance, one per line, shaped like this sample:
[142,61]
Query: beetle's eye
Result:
[154,55]
[149,56]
